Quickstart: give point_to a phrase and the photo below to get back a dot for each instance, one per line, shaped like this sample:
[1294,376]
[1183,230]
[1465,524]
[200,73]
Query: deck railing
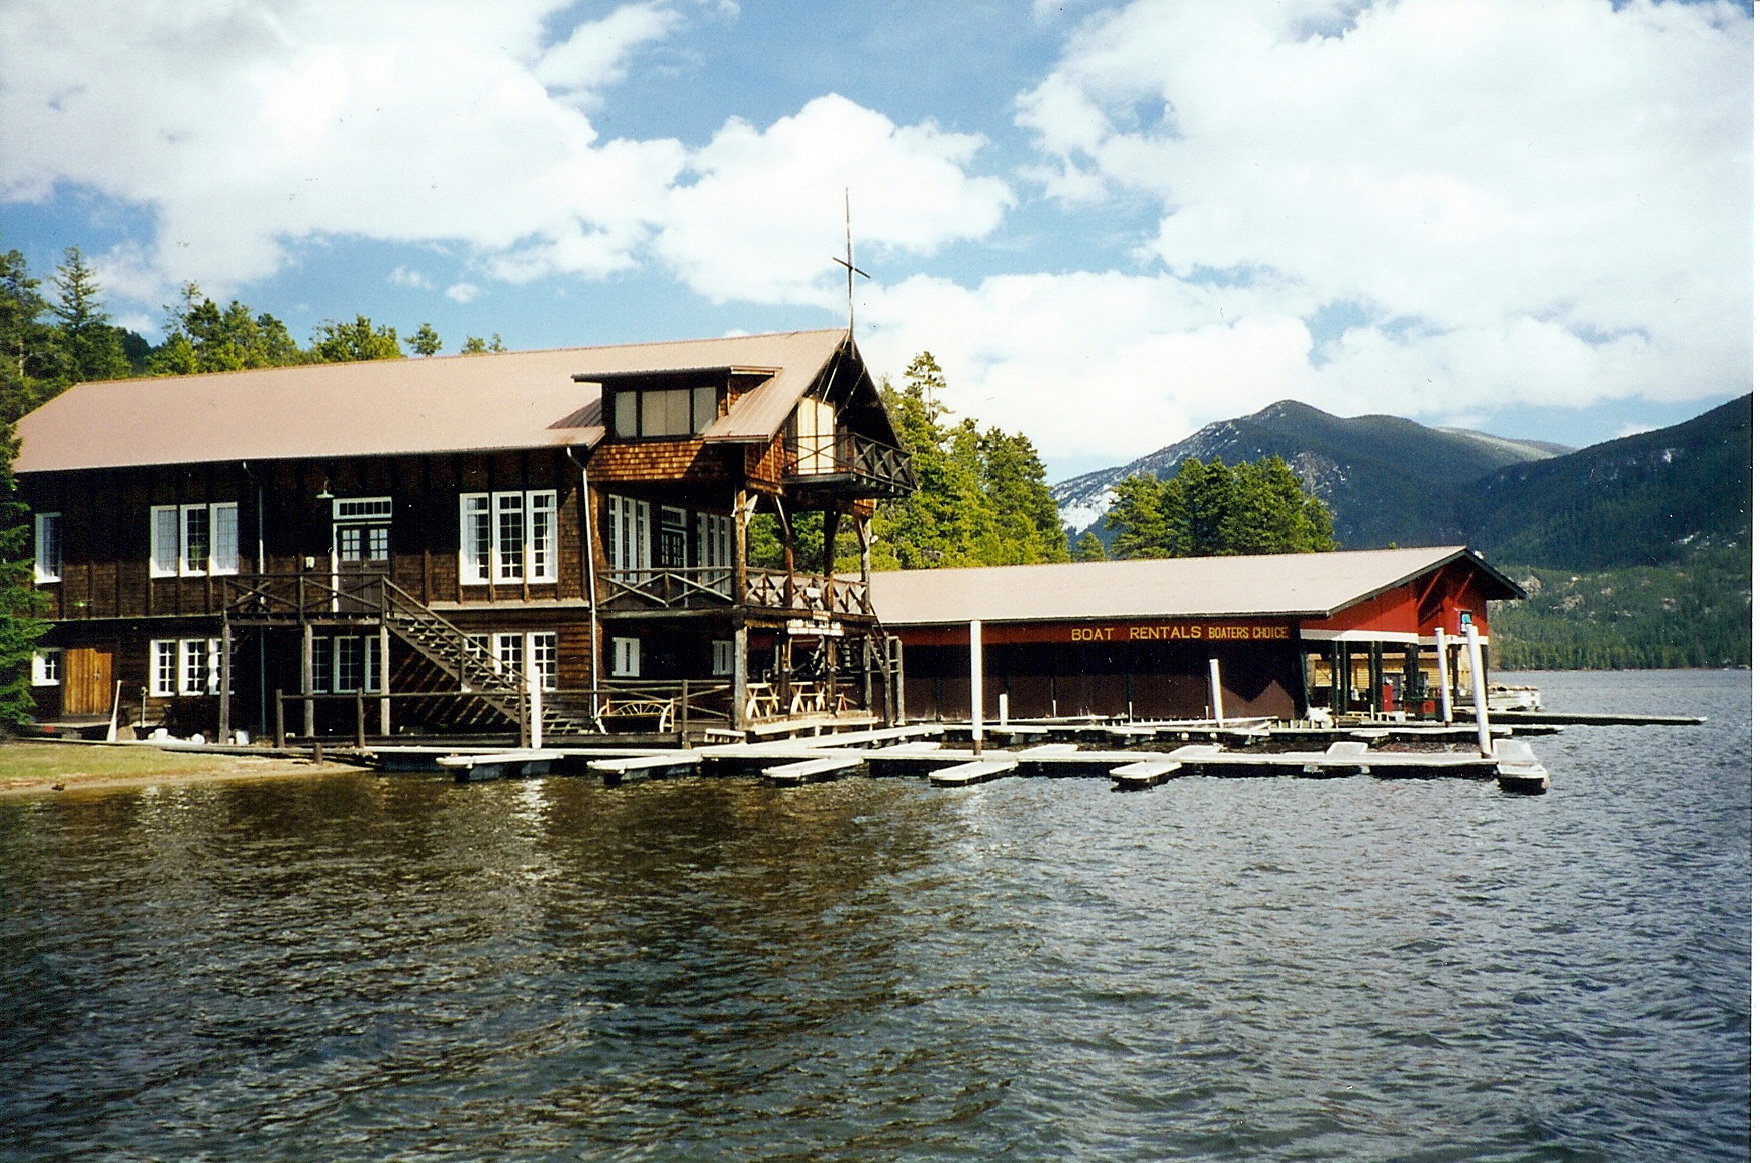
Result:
[843,458]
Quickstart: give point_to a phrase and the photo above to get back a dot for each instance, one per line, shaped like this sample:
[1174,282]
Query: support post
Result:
[1377,677]
[360,721]
[1481,713]
[1002,711]
[684,714]
[740,678]
[224,732]
[1216,690]
[976,649]
[1444,676]
[280,719]
[1341,677]
[536,710]
[305,677]
[384,681]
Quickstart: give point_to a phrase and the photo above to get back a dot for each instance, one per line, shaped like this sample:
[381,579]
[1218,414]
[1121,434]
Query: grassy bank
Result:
[38,767]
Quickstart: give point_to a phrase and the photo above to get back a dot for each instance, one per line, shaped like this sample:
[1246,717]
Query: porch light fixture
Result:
[324,494]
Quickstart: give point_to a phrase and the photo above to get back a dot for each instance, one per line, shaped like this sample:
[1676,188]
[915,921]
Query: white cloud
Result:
[404,277]
[462,292]
[763,217]
[249,127]
[596,53]
[1540,202]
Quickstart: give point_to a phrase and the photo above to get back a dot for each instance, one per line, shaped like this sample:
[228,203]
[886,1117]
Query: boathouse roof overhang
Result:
[1286,586]
[483,402]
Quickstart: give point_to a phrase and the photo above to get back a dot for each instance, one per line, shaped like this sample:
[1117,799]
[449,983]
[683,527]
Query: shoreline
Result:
[53,769]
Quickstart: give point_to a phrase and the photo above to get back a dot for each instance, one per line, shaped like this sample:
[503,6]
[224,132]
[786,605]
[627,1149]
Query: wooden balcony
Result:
[848,465]
[765,589]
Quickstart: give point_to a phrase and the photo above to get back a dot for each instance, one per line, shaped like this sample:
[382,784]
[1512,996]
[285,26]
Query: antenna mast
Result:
[848,263]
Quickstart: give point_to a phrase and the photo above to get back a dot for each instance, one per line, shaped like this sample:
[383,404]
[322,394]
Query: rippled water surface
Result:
[370,967]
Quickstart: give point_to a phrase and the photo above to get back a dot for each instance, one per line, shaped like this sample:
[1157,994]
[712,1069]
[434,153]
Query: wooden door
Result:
[86,681]
[363,559]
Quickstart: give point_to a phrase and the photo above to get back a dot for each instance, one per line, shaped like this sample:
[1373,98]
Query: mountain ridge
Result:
[1378,473]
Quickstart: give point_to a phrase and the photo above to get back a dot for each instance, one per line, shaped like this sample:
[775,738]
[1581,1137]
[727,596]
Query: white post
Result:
[977,652]
[1216,690]
[1002,710]
[537,695]
[1442,675]
[1480,711]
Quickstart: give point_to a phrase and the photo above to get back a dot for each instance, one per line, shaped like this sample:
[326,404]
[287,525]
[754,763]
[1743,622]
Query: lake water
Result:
[398,967]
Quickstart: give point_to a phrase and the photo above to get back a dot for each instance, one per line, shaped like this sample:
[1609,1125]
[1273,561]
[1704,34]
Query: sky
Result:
[1111,223]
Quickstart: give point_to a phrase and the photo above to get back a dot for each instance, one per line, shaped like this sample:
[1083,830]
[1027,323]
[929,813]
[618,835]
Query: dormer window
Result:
[638,413]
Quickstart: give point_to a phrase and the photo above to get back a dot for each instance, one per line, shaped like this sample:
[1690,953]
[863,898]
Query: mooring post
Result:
[1480,711]
[1216,690]
[535,710]
[1442,675]
[977,652]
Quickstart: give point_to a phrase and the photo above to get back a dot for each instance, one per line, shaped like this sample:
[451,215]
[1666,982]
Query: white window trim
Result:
[40,666]
[48,570]
[721,656]
[158,549]
[632,539]
[536,563]
[626,658]
[156,682]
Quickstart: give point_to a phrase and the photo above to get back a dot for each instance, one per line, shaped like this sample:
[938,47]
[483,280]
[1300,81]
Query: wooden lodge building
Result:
[393,545]
[1349,632]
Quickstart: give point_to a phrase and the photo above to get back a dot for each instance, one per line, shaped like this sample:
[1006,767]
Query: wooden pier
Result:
[1387,751]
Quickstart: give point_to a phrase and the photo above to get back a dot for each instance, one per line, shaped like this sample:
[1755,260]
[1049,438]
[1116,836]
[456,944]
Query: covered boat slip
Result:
[1379,634]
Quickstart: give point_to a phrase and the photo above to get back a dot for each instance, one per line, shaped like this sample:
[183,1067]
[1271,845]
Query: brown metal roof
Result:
[501,400]
[1270,585]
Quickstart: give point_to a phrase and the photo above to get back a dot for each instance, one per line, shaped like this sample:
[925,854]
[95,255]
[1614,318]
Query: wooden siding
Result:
[105,522]
[657,460]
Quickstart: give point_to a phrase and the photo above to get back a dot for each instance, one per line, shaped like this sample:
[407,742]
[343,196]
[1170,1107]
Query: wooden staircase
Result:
[452,651]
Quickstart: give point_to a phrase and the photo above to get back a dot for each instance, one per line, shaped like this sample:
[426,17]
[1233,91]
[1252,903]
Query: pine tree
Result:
[1089,547]
[91,346]
[29,358]
[20,628]
[335,342]
[201,336]
[426,341]
[1208,510]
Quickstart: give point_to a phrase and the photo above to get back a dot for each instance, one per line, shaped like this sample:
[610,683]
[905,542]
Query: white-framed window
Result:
[46,667]
[345,663]
[714,540]
[361,509]
[626,658]
[544,658]
[163,658]
[48,547]
[721,656]
[507,537]
[184,666]
[194,540]
[662,411]
[815,434]
[631,545]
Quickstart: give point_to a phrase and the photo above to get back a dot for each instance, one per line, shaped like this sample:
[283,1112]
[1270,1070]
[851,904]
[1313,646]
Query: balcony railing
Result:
[849,463]
[695,588]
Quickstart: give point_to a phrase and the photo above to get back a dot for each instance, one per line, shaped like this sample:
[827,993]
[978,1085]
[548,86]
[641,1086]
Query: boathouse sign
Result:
[1180,632]
[1193,631]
